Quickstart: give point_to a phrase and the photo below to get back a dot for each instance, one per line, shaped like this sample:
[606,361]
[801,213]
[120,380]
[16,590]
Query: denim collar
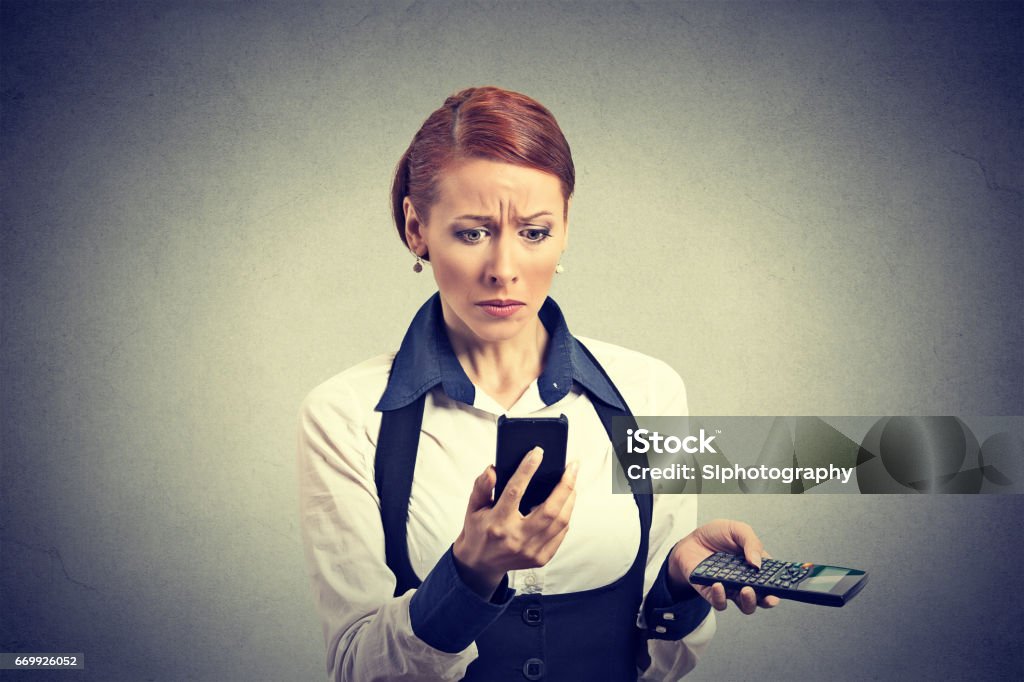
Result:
[426,359]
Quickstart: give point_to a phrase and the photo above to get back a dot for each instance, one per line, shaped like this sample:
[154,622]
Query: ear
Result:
[414,229]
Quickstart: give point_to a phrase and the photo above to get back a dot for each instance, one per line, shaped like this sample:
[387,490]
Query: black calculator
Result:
[806,582]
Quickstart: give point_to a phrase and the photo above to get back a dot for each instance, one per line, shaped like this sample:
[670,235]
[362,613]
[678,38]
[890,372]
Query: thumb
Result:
[746,538]
[483,487]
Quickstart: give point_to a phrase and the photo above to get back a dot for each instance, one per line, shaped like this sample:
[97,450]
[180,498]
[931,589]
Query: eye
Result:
[536,234]
[471,236]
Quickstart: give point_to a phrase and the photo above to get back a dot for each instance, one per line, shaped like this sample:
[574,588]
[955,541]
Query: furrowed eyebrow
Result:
[528,218]
[524,219]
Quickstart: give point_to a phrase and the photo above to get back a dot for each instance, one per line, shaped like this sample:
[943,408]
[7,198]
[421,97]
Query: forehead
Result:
[492,187]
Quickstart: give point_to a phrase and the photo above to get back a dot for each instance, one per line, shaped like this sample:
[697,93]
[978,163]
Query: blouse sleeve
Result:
[371,634]
[679,623]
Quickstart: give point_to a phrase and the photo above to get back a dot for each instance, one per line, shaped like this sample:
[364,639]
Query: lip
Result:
[497,307]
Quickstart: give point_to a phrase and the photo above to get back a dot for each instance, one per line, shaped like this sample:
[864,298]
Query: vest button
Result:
[533,615]
[533,669]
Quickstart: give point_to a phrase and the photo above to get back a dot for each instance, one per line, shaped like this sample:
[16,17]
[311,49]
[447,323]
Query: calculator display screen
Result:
[824,578]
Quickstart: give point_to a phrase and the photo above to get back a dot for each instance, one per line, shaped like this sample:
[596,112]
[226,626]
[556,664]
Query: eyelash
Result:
[540,234]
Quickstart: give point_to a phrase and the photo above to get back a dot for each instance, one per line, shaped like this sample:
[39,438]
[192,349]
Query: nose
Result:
[502,268]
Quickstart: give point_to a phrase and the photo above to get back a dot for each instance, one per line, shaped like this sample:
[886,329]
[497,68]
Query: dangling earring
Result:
[418,265]
[559,269]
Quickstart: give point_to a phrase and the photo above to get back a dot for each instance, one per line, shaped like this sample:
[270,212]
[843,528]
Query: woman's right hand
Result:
[498,539]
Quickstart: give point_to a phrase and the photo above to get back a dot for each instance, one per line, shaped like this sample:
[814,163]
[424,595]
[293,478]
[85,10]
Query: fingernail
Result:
[537,454]
[574,467]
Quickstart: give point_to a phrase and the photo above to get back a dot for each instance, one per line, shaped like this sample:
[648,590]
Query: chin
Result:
[494,329]
[498,330]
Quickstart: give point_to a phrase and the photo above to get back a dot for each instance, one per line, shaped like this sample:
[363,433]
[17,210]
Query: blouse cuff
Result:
[672,612]
[449,616]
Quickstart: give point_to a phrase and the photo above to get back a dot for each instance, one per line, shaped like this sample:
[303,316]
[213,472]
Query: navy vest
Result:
[588,635]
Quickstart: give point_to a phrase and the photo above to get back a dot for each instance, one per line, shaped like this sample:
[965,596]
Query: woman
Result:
[413,583]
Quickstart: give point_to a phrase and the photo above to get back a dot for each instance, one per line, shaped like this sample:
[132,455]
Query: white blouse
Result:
[367,630]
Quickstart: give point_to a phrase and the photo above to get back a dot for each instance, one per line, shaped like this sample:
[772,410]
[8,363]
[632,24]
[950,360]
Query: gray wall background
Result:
[808,208]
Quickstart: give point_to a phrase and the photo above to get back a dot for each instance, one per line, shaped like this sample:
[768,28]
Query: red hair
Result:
[484,123]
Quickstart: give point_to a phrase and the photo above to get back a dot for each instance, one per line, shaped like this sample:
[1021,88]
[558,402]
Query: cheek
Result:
[453,273]
[542,269]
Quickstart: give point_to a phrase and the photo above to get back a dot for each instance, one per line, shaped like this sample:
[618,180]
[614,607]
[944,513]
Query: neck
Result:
[504,368]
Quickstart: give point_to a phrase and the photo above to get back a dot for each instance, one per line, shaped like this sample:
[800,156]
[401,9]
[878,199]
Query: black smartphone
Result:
[516,437]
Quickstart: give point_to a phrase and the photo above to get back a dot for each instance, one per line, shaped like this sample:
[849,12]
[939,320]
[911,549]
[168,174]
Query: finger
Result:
[551,546]
[541,527]
[483,486]
[744,536]
[552,508]
[768,602]
[746,600]
[718,599]
[514,490]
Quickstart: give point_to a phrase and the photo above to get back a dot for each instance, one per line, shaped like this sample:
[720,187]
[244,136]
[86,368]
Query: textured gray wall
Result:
[804,208]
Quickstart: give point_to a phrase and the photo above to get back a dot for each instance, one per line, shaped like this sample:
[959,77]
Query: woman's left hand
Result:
[721,535]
